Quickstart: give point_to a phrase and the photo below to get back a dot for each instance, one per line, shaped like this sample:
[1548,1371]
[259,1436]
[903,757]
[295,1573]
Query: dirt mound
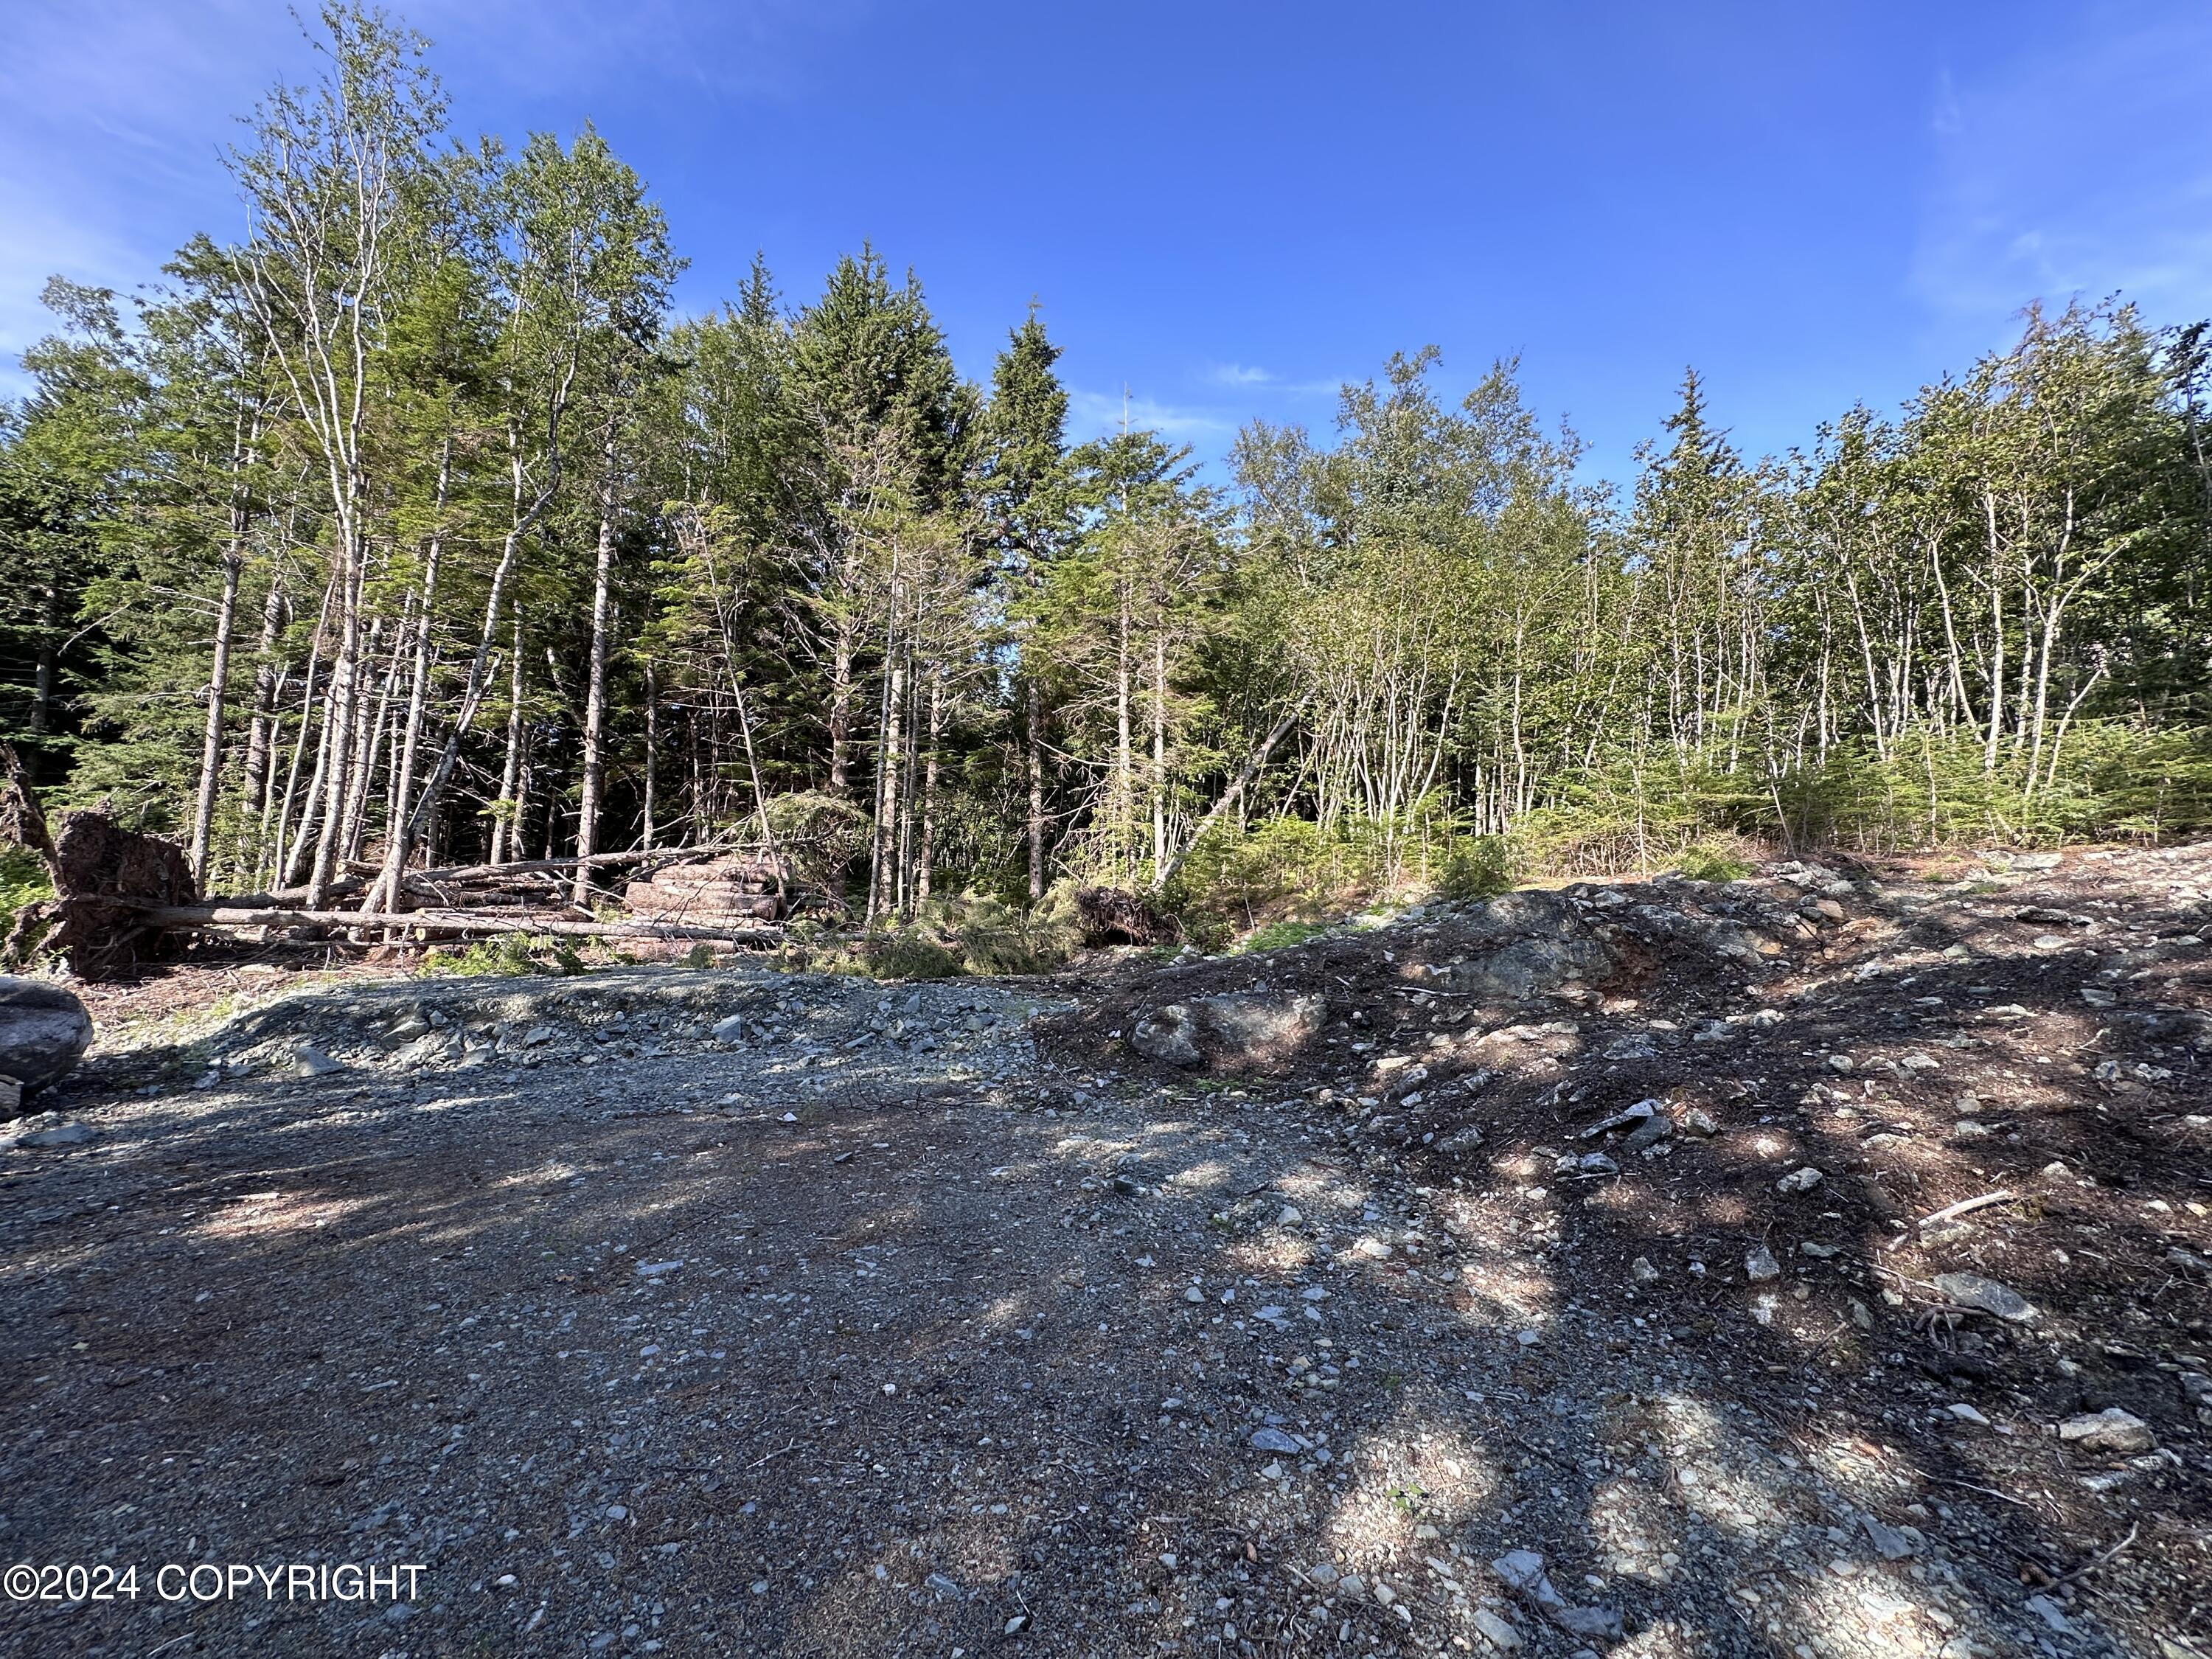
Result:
[1447,968]
[1942,1128]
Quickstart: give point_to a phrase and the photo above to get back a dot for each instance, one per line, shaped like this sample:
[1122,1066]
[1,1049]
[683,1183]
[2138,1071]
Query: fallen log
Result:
[183,916]
[555,866]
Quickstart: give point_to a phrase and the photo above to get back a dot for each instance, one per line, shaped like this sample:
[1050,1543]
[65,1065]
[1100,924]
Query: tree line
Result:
[415,526]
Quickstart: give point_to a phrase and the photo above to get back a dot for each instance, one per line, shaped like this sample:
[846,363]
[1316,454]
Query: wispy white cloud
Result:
[1237,374]
[2083,171]
[1092,413]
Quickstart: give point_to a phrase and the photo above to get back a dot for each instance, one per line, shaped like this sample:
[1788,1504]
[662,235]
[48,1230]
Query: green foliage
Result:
[506,956]
[429,441]
[23,880]
[910,953]
[1702,862]
[945,938]
[1476,867]
[1281,935]
[821,834]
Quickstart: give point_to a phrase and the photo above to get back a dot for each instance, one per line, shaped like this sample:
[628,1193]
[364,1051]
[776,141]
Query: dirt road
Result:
[864,1328]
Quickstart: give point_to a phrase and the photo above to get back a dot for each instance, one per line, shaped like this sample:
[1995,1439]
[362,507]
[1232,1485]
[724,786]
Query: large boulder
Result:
[1238,1031]
[43,1029]
[1522,944]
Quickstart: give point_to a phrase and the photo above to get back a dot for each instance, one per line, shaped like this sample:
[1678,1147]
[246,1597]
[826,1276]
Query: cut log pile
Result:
[122,897]
[751,886]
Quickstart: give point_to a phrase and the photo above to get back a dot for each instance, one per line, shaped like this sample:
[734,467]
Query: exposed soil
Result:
[720,1311]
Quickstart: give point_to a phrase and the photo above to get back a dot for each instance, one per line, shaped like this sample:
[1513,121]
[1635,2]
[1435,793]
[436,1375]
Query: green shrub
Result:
[22,881]
[821,834]
[1701,861]
[909,953]
[1475,868]
[1281,935]
[506,956]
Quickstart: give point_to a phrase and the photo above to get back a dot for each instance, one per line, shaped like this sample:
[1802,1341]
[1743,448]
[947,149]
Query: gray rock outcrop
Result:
[1240,1031]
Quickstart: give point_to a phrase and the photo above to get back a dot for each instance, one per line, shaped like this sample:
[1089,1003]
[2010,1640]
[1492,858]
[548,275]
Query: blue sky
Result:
[1229,209]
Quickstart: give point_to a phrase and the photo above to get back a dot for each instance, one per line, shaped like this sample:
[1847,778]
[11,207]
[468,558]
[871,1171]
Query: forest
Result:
[417,527]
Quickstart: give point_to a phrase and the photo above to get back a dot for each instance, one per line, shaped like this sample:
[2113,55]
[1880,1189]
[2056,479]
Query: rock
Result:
[1525,1571]
[1642,1272]
[2051,1613]
[731,1031]
[308,1060]
[1803,1180]
[1495,1630]
[1636,1116]
[1699,1121]
[1604,1623]
[1524,945]
[44,1031]
[1760,1265]
[2108,1431]
[1274,1440]
[1893,1545]
[60,1135]
[1238,1031]
[1986,1295]
[1967,1129]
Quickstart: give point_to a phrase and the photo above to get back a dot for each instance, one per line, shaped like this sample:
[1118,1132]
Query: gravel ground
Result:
[722,1312]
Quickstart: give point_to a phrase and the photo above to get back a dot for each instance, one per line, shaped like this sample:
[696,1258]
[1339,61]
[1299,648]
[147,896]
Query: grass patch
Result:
[1281,935]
